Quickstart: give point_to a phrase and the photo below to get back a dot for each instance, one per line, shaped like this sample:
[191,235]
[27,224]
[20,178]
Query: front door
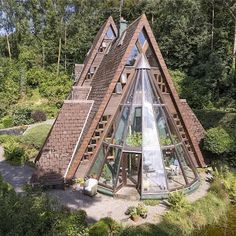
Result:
[131,168]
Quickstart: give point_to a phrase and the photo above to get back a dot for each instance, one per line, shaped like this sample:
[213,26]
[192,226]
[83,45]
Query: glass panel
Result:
[151,57]
[94,172]
[154,178]
[110,33]
[133,56]
[122,126]
[174,173]
[133,163]
[142,37]
[110,169]
[185,164]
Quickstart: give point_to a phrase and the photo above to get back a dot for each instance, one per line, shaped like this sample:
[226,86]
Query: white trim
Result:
[72,157]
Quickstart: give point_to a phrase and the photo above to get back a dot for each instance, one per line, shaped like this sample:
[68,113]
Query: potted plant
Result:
[127,212]
[142,210]
[134,214]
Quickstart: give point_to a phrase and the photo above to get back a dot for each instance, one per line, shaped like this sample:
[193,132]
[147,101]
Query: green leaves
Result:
[218,141]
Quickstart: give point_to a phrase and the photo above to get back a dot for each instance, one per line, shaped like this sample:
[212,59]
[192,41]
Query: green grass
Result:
[151,202]
[190,218]
[36,135]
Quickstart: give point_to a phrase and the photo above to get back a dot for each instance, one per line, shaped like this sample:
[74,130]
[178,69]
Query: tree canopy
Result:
[40,41]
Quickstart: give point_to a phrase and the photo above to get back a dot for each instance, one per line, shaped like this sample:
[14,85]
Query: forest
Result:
[41,40]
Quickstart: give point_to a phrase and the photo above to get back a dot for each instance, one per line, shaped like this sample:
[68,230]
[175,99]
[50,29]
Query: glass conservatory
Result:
[143,148]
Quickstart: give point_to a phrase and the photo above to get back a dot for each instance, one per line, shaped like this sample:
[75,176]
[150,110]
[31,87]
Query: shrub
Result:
[71,224]
[177,200]
[217,141]
[105,227]
[38,116]
[7,121]
[22,116]
[14,153]
[36,135]
[5,138]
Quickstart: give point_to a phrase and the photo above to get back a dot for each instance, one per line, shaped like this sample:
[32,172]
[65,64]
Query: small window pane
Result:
[94,172]
[110,33]
[133,56]
[110,169]
[142,38]
[151,57]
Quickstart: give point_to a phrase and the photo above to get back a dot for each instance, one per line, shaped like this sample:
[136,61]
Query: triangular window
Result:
[110,33]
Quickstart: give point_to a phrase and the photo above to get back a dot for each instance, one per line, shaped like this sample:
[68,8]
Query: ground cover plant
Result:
[34,213]
[19,149]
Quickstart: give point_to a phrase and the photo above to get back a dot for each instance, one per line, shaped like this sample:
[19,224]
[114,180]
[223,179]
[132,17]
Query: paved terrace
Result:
[96,207]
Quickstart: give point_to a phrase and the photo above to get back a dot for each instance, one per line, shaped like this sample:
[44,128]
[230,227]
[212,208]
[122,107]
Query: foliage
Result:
[35,213]
[105,227]
[134,140]
[22,116]
[165,141]
[36,135]
[176,200]
[38,116]
[14,153]
[218,141]
[224,184]
[141,209]
[7,121]
[71,224]
[151,202]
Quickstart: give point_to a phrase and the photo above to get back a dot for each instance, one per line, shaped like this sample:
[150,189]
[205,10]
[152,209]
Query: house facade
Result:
[123,122]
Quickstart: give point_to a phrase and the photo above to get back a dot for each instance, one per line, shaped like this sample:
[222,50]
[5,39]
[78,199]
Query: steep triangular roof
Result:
[104,83]
[75,138]
[92,53]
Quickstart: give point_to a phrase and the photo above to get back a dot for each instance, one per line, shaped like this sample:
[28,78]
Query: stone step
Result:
[128,193]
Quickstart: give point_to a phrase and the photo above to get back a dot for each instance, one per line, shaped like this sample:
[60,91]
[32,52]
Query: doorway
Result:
[131,170]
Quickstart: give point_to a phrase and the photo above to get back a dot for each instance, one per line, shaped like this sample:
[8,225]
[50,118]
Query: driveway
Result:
[17,176]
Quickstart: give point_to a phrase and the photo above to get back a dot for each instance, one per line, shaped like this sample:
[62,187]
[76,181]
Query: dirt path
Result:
[17,176]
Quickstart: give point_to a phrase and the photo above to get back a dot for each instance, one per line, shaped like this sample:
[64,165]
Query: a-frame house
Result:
[124,122]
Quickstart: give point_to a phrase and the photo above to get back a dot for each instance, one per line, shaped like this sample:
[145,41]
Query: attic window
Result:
[133,56]
[110,33]
[142,38]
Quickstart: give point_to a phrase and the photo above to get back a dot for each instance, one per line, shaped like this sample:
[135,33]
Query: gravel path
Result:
[17,176]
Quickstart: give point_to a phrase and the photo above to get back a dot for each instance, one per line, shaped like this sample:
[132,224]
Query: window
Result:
[133,56]
[110,33]
[142,37]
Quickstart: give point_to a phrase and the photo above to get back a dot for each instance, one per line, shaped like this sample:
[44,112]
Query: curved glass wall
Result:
[143,147]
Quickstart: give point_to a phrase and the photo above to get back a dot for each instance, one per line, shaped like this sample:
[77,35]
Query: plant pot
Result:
[144,215]
[134,218]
